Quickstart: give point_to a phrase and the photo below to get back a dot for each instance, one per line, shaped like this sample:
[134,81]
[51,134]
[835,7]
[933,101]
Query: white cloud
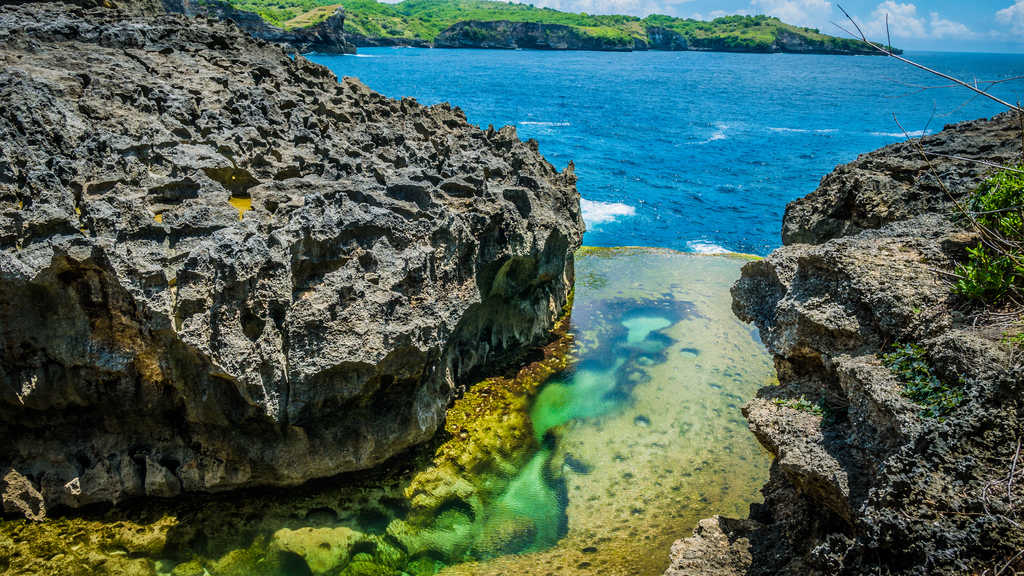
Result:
[810,13]
[717,14]
[815,13]
[1013,17]
[905,22]
[633,7]
[943,28]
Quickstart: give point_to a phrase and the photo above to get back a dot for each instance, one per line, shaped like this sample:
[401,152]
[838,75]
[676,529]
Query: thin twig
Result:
[977,161]
[888,36]
[1013,470]
[1000,210]
[1012,560]
[892,54]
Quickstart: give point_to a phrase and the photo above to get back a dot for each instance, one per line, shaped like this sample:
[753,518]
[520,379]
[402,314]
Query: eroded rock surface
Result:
[220,267]
[863,481]
[327,36]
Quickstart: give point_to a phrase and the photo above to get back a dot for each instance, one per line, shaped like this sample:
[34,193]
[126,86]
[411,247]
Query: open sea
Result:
[687,150]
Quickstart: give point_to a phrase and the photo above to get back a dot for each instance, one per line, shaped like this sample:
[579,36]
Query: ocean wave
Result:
[719,134]
[802,130]
[536,123]
[704,247]
[595,212]
[911,133]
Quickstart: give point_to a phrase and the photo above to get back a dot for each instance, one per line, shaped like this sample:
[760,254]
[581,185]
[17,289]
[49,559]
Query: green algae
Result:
[591,459]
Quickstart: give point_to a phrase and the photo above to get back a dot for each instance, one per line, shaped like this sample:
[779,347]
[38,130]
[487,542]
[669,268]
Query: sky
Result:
[946,25]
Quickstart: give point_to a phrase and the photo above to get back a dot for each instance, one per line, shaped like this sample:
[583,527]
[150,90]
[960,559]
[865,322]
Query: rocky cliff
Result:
[508,35]
[528,35]
[327,37]
[864,480]
[222,268]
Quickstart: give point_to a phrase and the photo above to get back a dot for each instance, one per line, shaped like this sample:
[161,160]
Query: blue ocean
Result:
[686,150]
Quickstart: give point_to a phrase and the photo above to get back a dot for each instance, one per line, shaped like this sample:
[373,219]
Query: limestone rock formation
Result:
[527,35]
[327,37]
[864,482]
[221,268]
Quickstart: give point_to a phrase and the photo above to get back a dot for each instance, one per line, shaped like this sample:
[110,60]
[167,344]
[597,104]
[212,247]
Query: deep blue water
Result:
[687,150]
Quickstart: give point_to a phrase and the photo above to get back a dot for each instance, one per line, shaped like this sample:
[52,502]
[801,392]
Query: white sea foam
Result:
[704,247]
[533,123]
[719,134]
[599,212]
[802,130]
[912,134]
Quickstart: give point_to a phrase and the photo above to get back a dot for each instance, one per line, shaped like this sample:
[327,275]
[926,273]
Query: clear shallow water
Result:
[644,433]
[685,150]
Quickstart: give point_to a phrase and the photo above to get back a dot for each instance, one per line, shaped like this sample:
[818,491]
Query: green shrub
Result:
[910,365]
[801,404]
[990,275]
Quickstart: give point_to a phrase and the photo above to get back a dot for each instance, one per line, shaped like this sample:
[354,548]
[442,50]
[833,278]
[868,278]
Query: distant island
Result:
[501,25]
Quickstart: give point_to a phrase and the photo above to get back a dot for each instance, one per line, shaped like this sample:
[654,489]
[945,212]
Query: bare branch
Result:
[888,35]
[1000,211]
[893,54]
[977,161]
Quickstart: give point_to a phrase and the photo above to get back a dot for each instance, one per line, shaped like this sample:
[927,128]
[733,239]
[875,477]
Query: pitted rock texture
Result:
[222,268]
[870,484]
[327,37]
[894,183]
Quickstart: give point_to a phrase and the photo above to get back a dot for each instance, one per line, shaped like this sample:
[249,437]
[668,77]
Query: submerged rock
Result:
[864,481]
[221,268]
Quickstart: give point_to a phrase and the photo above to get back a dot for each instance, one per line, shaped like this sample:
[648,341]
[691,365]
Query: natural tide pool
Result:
[590,460]
[650,437]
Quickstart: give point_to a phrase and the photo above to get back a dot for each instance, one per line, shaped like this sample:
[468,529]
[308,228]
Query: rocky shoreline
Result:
[863,482]
[220,268]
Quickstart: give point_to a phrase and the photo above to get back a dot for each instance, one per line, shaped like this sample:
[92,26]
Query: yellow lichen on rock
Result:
[241,204]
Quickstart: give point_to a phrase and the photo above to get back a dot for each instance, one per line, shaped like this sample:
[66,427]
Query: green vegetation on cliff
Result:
[425,19]
[995,269]
[909,363]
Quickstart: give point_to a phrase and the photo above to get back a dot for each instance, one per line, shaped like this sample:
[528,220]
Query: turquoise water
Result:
[643,435]
[686,150]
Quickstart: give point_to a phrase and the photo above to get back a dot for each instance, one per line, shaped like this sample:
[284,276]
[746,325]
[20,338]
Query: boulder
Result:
[220,267]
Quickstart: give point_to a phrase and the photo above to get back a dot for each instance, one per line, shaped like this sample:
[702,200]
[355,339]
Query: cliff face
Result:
[868,483]
[509,35]
[327,37]
[527,35]
[221,268]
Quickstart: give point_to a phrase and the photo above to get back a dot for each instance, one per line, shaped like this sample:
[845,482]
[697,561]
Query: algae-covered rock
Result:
[325,550]
[508,533]
[220,267]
